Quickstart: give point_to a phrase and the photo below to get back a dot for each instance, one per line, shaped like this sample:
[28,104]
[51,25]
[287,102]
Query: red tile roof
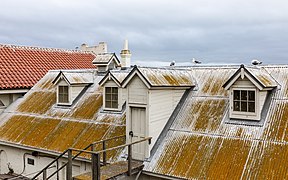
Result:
[22,66]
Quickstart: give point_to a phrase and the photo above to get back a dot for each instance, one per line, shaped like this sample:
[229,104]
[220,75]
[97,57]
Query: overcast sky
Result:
[222,31]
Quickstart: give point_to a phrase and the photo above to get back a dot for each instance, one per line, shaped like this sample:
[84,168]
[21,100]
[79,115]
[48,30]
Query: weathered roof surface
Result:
[260,74]
[200,145]
[263,76]
[104,58]
[22,66]
[78,77]
[36,121]
[167,77]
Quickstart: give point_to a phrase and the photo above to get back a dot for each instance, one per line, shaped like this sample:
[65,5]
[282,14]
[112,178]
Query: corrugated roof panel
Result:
[102,58]
[210,80]
[263,76]
[167,77]
[38,102]
[280,74]
[36,121]
[190,156]
[201,114]
[80,77]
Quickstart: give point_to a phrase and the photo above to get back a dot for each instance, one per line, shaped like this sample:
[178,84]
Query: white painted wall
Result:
[15,156]
[243,83]
[161,105]
[75,91]
[137,91]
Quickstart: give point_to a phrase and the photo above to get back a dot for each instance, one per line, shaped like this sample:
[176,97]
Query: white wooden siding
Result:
[137,91]
[75,91]
[243,83]
[161,105]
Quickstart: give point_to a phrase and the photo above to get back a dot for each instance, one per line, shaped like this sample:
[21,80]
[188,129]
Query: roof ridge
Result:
[44,48]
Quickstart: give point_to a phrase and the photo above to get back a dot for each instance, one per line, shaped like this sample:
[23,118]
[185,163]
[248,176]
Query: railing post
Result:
[44,174]
[69,166]
[129,159]
[95,166]
[104,153]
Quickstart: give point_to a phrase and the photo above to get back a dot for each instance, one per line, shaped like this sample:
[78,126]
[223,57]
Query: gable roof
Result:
[161,77]
[200,145]
[115,75]
[35,121]
[75,77]
[257,75]
[105,59]
[22,66]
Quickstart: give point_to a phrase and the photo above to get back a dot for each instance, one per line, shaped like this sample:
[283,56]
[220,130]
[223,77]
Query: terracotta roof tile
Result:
[22,67]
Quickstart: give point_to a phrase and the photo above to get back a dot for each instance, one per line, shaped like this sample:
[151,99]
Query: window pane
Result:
[115,90]
[108,104]
[115,97]
[251,95]
[108,97]
[251,107]
[114,104]
[108,90]
[236,106]
[244,95]
[236,95]
[244,106]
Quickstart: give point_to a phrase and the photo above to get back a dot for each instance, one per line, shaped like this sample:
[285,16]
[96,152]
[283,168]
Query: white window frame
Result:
[104,99]
[69,95]
[244,115]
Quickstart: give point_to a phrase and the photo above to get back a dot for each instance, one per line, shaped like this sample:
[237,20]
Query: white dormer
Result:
[113,94]
[106,61]
[70,85]
[248,89]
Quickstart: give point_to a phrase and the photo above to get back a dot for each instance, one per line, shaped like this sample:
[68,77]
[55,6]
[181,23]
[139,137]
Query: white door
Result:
[138,127]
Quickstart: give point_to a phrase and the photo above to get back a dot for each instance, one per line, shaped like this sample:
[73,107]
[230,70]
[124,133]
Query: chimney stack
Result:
[125,56]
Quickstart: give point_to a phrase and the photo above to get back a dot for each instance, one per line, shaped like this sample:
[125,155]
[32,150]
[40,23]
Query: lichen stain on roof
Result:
[36,121]
[210,80]
[202,157]
[167,77]
[263,76]
[38,102]
[280,74]
[277,122]
[89,107]
[204,114]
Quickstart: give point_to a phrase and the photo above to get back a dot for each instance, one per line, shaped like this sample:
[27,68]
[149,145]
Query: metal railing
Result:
[92,146]
[95,158]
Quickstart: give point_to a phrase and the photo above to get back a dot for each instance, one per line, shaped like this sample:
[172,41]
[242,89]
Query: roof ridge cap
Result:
[43,48]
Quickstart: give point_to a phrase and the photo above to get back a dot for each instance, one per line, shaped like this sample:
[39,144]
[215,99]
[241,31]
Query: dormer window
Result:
[71,85]
[244,101]
[111,97]
[249,89]
[63,94]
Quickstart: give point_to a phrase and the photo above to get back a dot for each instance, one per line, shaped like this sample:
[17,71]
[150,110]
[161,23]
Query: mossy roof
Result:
[200,145]
[36,121]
